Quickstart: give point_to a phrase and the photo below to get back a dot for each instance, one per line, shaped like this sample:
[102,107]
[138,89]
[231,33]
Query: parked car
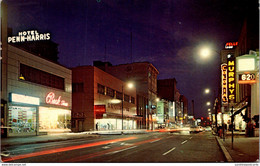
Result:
[208,128]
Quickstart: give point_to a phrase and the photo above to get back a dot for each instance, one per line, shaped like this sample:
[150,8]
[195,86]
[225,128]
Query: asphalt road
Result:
[152,147]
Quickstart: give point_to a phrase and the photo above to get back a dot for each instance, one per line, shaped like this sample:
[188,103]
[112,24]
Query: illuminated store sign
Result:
[248,78]
[50,99]
[24,99]
[231,80]
[31,35]
[224,83]
[100,108]
[246,64]
[231,45]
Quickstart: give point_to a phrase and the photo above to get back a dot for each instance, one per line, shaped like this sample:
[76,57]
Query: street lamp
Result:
[130,85]
[207,91]
[208,103]
[205,53]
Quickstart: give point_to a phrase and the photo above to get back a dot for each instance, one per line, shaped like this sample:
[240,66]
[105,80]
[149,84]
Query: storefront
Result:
[25,112]
[39,95]
[112,121]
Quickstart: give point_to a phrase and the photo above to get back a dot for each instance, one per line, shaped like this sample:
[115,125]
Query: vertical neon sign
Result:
[231,80]
[224,88]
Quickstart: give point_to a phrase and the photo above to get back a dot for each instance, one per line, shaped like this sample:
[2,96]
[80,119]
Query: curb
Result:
[224,150]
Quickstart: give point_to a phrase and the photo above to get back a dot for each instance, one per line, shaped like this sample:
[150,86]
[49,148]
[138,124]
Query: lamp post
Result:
[130,85]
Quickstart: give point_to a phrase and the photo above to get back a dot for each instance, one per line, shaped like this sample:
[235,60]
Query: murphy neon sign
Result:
[231,80]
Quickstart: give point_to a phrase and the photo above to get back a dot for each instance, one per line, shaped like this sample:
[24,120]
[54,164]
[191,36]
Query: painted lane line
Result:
[106,147]
[169,151]
[190,137]
[122,150]
[155,141]
[184,142]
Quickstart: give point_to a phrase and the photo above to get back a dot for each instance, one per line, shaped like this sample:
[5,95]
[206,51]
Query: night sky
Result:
[167,33]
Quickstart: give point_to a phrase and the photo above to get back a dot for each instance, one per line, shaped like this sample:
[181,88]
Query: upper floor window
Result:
[119,95]
[132,100]
[110,92]
[78,87]
[37,76]
[101,89]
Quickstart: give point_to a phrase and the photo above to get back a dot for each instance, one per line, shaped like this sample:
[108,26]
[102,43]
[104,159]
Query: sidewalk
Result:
[63,136]
[245,149]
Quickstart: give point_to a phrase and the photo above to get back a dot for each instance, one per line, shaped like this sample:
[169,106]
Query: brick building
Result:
[97,101]
[144,76]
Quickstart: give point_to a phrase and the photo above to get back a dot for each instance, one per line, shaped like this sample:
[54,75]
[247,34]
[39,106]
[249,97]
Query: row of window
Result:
[115,94]
[37,76]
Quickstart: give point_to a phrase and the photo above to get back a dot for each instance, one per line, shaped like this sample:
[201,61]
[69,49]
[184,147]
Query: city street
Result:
[152,147]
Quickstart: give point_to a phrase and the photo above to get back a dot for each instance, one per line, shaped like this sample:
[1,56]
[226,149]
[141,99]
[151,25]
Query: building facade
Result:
[38,95]
[144,76]
[97,101]
[240,88]
[35,92]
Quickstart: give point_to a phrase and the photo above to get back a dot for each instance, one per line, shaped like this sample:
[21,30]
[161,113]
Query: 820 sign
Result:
[246,78]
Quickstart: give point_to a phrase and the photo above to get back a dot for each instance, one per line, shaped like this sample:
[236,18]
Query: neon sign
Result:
[31,35]
[100,108]
[231,80]
[224,83]
[50,99]
[231,45]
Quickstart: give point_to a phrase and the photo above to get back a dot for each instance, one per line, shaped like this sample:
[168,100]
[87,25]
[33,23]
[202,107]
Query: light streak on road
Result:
[45,152]
[109,151]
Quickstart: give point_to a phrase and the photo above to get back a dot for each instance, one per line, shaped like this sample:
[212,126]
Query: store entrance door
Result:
[80,125]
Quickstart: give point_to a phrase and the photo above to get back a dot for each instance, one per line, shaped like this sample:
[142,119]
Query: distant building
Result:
[97,101]
[167,89]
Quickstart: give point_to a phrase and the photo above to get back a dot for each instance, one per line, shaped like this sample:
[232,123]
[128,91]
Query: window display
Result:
[22,119]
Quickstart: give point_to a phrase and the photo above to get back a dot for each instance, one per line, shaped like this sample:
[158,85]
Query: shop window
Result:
[126,98]
[37,76]
[22,119]
[119,95]
[78,87]
[54,119]
[132,100]
[110,92]
[101,89]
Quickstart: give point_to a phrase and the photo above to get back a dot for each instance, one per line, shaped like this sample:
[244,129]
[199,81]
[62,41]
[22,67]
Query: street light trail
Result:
[109,151]
[169,151]
[45,152]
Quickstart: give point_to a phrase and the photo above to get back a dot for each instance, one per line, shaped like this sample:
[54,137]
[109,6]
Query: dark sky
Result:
[167,33]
